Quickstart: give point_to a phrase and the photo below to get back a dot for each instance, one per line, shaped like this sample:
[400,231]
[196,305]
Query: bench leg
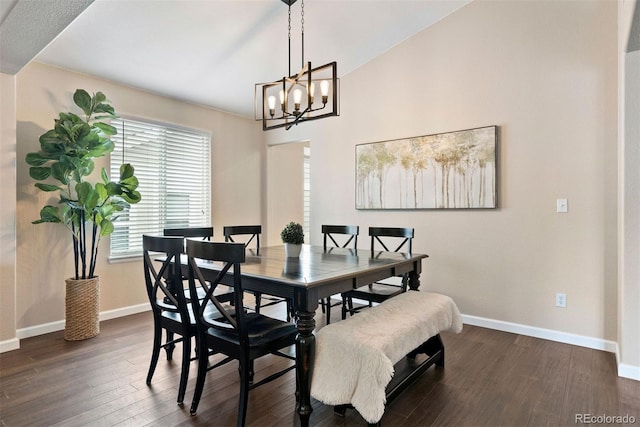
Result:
[430,347]
[341,410]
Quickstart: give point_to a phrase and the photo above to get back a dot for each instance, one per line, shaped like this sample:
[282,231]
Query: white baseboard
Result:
[8,345]
[547,334]
[47,328]
[126,311]
[624,370]
[629,371]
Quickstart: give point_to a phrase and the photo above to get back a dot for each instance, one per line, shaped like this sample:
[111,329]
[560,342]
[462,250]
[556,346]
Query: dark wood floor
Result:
[491,379]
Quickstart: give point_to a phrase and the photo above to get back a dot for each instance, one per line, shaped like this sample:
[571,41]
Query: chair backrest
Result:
[230,255]
[164,285]
[380,234]
[252,231]
[205,232]
[329,232]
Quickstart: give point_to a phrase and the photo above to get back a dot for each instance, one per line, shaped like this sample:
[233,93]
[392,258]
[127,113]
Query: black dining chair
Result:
[205,233]
[250,236]
[337,236]
[171,312]
[238,334]
[380,291]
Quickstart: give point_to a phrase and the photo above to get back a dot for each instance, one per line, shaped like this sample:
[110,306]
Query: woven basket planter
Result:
[82,309]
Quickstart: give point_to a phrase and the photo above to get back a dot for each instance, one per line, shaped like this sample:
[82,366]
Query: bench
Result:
[355,358]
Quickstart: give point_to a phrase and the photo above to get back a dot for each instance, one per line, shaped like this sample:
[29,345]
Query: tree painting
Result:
[455,170]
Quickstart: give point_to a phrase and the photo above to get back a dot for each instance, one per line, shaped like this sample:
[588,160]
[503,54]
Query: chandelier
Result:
[273,101]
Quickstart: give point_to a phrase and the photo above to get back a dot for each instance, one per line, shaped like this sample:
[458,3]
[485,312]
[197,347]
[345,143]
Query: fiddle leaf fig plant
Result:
[65,159]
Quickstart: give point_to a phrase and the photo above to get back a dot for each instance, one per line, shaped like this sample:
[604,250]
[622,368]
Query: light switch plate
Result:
[562,206]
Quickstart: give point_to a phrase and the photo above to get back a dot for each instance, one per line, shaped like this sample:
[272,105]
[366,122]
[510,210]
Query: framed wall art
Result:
[453,170]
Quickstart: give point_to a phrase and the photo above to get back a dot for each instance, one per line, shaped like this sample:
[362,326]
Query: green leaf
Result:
[48,187]
[49,140]
[105,177]
[87,196]
[82,189]
[107,129]
[132,197]
[107,210]
[105,108]
[39,173]
[83,100]
[35,159]
[126,171]
[101,190]
[61,171]
[106,227]
[49,214]
[88,141]
[130,183]
[100,97]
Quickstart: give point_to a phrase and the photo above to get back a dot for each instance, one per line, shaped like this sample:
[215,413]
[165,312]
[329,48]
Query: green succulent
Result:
[292,233]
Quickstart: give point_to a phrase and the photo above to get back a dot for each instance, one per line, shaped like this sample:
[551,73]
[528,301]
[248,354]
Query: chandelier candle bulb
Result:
[324,88]
[297,96]
[272,105]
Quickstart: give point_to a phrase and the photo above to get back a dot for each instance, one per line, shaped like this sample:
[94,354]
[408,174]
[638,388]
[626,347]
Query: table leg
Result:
[414,280]
[305,356]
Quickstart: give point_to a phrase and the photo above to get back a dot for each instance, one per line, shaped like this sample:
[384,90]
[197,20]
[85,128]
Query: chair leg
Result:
[155,354]
[258,297]
[186,361]
[169,348]
[344,307]
[246,367]
[327,302]
[202,375]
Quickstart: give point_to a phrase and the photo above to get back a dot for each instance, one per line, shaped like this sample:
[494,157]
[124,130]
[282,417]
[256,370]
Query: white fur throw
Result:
[355,357]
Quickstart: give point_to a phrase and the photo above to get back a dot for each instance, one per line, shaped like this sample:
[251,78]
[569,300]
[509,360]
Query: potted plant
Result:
[293,237]
[65,159]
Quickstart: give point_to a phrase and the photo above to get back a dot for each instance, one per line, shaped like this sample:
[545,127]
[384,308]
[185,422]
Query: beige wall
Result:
[545,73]
[7,212]
[44,251]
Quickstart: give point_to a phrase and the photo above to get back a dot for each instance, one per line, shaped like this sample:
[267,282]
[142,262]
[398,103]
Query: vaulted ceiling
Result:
[208,52]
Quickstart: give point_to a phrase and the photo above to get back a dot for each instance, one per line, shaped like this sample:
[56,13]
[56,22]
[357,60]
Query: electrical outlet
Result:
[561,300]
[562,206]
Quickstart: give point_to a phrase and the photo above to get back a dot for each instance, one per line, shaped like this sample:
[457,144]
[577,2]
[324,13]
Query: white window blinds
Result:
[172,167]
[307,193]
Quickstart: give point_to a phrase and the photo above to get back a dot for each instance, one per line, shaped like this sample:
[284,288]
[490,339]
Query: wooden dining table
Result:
[316,274]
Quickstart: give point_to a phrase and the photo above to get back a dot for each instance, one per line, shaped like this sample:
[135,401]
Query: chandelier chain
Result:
[289,39]
[302,29]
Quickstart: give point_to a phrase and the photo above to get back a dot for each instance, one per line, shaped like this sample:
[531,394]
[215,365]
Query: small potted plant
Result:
[293,237]
[64,161]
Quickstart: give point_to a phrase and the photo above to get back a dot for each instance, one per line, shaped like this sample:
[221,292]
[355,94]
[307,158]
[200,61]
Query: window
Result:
[307,191]
[172,167]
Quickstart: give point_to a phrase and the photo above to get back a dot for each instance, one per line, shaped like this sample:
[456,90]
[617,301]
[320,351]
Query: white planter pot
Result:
[292,250]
